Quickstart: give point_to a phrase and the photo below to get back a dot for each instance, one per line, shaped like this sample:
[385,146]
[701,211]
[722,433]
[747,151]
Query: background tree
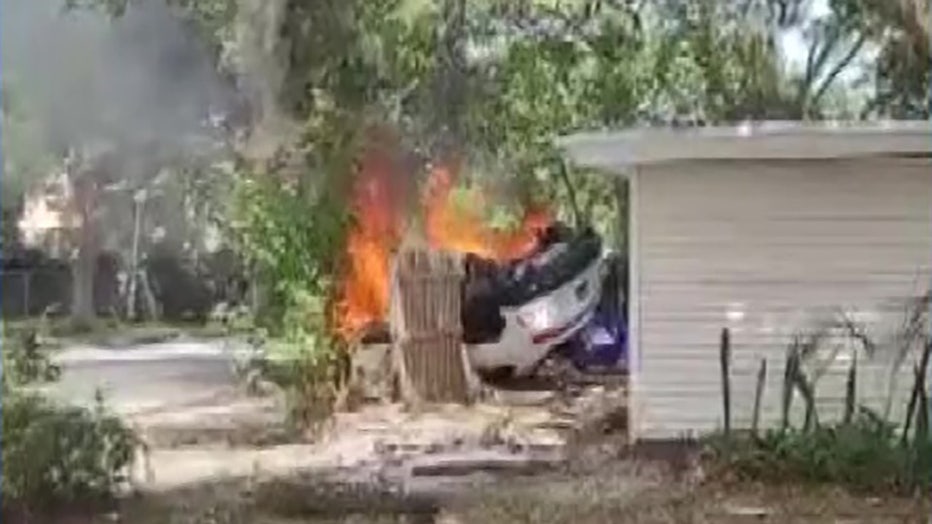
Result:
[900,30]
[113,101]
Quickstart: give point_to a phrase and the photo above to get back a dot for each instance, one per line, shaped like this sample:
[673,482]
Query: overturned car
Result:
[553,302]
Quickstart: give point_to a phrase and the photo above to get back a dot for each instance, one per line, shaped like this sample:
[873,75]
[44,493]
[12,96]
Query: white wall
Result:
[765,248]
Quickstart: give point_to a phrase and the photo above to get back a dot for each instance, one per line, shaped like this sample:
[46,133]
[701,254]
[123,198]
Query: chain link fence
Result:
[34,291]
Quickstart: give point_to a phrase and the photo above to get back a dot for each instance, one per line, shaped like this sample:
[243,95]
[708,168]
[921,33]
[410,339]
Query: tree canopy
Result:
[495,81]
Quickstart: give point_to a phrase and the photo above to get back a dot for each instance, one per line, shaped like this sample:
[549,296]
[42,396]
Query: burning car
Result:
[515,314]
[529,291]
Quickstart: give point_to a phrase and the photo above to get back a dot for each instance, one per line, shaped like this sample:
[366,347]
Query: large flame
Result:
[372,239]
[450,226]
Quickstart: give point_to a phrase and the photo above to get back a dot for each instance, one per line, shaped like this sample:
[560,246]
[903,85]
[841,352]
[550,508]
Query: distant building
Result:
[46,221]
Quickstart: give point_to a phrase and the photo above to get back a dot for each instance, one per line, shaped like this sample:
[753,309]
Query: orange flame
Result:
[461,229]
[369,246]
[380,225]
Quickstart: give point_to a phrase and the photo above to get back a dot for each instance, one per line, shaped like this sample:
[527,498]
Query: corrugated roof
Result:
[616,150]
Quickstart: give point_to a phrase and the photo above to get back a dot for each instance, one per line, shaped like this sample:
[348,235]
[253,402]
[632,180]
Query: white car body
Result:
[533,329]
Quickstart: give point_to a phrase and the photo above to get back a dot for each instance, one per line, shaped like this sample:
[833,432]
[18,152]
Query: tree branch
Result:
[563,171]
[839,67]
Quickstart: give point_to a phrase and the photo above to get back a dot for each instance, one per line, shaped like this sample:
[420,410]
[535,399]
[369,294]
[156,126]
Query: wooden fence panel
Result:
[425,323]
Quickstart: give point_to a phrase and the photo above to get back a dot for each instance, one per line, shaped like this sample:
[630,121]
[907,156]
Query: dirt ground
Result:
[592,501]
[620,492]
[594,485]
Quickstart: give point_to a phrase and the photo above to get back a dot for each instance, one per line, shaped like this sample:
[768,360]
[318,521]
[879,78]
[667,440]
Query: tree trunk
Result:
[84,266]
[82,303]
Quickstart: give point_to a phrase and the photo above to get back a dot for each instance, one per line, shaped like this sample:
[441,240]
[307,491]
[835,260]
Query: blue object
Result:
[603,343]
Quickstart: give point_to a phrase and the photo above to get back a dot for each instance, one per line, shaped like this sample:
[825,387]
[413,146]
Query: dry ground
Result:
[591,501]
[619,493]
[598,487]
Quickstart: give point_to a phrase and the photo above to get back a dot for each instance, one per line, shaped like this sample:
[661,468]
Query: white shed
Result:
[765,229]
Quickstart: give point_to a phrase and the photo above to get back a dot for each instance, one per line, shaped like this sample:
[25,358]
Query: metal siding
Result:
[778,244]
[635,398]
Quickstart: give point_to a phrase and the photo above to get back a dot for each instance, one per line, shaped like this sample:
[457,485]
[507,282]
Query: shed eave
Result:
[619,150]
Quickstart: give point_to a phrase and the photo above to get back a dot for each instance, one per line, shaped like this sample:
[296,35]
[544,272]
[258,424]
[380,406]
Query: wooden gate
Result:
[428,355]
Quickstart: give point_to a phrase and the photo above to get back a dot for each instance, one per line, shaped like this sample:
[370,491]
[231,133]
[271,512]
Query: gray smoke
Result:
[140,79]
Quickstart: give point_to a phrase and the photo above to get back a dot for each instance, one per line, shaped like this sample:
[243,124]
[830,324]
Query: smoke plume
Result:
[142,78]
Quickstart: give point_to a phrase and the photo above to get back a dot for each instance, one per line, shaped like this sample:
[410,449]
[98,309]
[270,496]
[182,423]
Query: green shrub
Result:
[305,360]
[866,454]
[55,454]
[292,235]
